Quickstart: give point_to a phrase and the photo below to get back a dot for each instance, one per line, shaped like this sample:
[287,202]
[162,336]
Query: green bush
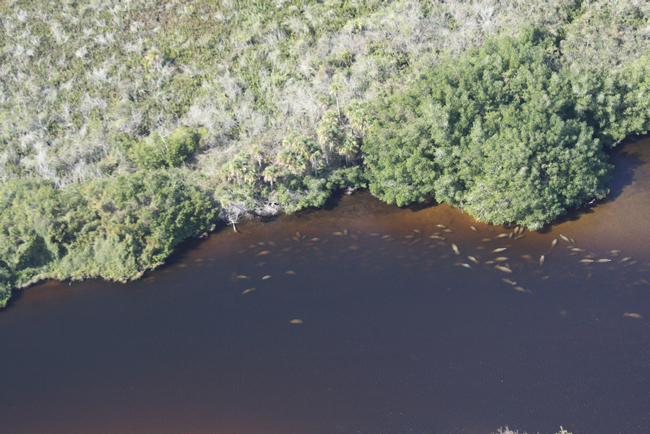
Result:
[496,133]
[113,228]
[157,152]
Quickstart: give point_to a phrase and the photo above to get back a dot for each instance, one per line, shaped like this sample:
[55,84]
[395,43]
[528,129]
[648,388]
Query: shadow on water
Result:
[333,201]
[416,207]
[623,173]
[268,218]
[571,216]
[183,249]
[16,297]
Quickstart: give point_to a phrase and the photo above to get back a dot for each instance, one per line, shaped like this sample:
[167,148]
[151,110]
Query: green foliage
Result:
[241,170]
[37,224]
[345,178]
[297,193]
[496,133]
[615,104]
[110,228]
[6,284]
[142,217]
[340,136]
[300,155]
[157,152]
[398,160]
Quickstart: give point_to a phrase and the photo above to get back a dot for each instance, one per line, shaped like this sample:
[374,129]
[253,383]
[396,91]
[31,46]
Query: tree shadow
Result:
[268,218]
[16,295]
[181,250]
[332,201]
[415,207]
[570,216]
[625,163]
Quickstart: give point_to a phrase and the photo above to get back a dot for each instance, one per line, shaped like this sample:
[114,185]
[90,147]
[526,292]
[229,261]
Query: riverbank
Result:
[113,151]
[343,319]
[592,225]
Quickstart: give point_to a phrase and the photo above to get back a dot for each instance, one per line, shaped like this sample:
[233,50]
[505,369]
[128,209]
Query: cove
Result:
[394,335]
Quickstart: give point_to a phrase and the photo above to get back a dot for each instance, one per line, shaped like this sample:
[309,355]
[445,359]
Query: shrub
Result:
[496,133]
[157,152]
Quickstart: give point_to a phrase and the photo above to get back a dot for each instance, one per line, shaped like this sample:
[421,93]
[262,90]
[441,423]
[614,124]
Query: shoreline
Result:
[583,224]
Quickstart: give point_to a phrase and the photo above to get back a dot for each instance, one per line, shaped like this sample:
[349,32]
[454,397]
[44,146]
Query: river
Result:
[355,318]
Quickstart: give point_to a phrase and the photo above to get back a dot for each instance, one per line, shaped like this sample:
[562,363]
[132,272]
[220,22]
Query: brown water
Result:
[395,335]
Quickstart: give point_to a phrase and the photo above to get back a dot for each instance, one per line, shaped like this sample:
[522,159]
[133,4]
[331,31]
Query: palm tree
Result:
[349,148]
[329,133]
[358,119]
[299,153]
[237,168]
[335,88]
[271,174]
[258,154]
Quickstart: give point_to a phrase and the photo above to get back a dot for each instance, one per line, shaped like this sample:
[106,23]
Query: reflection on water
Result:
[359,318]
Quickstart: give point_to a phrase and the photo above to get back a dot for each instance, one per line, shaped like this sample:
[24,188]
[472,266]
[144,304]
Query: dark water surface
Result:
[396,335]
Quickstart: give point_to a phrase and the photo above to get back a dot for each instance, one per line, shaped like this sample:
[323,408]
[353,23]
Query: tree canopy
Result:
[497,132]
[116,229]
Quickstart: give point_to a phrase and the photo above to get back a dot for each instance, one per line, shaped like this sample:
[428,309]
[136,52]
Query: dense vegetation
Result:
[496,132]
[126,127]
[115,228]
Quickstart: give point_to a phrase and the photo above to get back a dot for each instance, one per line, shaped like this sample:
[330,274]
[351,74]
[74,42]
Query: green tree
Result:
[241,169]
[496,133]
[113,228]
[271,174]
[299,154]
[157,151]
[398,151]
[330,134]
